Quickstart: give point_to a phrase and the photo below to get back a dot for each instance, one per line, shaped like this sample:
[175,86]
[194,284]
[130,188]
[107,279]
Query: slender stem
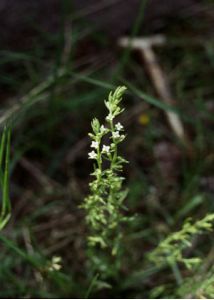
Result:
[115,146]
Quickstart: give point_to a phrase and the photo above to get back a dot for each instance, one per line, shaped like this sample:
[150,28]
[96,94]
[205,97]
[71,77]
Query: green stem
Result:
[115,148]
[99,161]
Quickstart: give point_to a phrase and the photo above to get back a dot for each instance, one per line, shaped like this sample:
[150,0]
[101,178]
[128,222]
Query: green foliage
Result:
[199,286]
[4,178]
[170,250]
[103,205]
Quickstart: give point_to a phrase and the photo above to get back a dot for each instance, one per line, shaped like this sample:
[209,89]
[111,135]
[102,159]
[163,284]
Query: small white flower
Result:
[55,264]
[110,117]
[94,145]
[106,149]
[92,155]
[116,134]
[102,128]
[118,126]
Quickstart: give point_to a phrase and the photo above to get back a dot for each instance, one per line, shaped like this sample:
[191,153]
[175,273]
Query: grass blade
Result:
[4,176]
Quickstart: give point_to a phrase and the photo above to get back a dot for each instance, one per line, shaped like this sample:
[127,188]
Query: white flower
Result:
[116,134]
[102,128]
[118,126]
[110,117]
[106,149]
[94,145]
[55,264]
[92,155]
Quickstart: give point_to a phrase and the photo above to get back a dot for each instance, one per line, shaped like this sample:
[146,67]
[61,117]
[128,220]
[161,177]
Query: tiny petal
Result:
[55,264]
[94,145]
[102,128]
[116,134]
[110,117]
[92,155]
[106,149]
[118,126]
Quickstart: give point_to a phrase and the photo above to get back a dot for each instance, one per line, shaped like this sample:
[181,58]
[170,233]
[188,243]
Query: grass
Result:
[50,169]
[4,178]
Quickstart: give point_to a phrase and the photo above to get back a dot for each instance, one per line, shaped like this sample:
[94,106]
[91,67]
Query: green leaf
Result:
[4,177]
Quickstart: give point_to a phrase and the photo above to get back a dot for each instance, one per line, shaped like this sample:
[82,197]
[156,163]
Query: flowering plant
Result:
[103,205]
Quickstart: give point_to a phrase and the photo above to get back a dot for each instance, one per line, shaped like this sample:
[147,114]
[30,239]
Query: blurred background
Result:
[59,60]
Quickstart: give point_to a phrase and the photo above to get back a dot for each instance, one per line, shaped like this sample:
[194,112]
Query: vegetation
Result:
[141,225]
[4,178]
[103,206]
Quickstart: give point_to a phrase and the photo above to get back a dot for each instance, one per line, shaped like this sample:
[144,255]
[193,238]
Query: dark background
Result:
[59,60]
